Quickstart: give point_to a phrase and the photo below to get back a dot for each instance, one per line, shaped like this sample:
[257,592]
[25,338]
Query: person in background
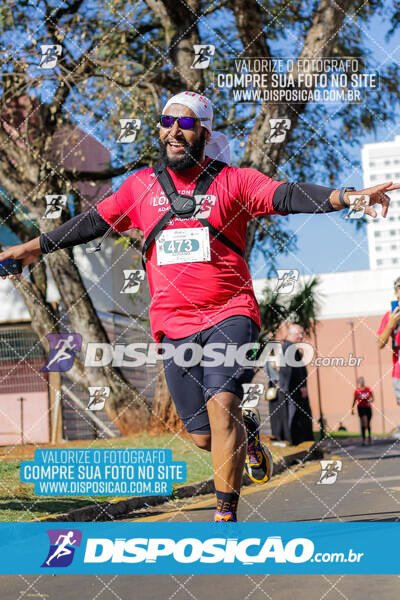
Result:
[277,403]
[341,427]
[293,388]
[363,396]
[390,327]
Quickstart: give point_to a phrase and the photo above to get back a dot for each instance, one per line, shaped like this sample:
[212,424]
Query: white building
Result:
[348,294]
[381,162]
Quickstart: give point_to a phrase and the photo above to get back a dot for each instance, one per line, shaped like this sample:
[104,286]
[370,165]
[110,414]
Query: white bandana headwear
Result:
[218,145]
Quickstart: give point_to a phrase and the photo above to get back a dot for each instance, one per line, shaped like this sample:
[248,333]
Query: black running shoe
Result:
[259,463]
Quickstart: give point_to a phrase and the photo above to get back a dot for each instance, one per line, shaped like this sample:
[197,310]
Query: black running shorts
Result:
[191,387]
[364,411]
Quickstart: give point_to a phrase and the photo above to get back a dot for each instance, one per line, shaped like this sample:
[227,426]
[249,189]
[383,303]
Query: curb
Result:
[108,511]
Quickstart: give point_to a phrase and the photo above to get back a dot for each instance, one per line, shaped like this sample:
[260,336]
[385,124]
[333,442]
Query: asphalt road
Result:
[367,489]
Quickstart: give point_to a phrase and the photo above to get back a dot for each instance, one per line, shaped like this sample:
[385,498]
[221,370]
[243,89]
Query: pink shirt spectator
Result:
[395,353]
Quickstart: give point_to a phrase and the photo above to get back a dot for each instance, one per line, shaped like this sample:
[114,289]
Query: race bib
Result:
[183,246]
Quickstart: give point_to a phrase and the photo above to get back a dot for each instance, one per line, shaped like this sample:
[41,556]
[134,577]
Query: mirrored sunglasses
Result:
[184,122]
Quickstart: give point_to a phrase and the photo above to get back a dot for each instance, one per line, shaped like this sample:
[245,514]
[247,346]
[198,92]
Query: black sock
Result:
[363,432]
[227,502]
[369,431]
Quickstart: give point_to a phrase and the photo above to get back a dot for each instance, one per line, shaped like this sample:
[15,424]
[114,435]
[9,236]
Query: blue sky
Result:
[327,243]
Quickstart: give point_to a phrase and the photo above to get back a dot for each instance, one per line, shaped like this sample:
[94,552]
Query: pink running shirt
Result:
[189,297]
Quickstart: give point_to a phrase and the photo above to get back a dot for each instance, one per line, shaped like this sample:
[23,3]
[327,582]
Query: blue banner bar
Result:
[157,548]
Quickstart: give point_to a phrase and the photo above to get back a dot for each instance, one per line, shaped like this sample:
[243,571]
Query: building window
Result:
[393,247]
[379,261]
[394,261]
[377,233]
[392,232]
[378,248]
[387,162]
[373,177]
[391,218]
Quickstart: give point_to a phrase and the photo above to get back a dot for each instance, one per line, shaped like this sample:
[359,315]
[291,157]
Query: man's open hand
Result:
[377,195]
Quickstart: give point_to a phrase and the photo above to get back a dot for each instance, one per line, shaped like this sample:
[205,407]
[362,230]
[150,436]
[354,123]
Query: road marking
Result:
[283,479]
[362,479]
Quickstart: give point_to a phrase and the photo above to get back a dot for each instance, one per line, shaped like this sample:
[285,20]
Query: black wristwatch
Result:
[342,191]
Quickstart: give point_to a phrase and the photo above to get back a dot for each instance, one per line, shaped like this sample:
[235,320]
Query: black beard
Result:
[192,155]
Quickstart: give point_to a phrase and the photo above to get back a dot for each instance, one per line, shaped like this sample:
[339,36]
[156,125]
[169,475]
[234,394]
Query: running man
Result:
[203,294]
[364,397]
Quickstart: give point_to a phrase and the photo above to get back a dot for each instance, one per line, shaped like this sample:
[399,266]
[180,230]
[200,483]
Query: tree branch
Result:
[180,24]
[75,175]
[248,18]
[10,219]
[211,9]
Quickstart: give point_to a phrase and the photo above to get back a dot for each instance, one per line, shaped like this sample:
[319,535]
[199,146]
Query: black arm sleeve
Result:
[291,198]
[80,229]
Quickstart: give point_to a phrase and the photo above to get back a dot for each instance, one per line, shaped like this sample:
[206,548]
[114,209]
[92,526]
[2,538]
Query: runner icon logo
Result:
[204,205]
[50,54]
[252,394]
[63,543]
[279,129]
[287,279]
[129,129]
[97,397]
[62,351]
[132,279]
[54,206]
[203,54]
[329,471]
[358,204]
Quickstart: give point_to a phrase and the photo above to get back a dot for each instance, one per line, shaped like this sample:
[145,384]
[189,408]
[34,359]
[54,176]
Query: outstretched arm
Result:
[260,196]
[292,198]
[80,229]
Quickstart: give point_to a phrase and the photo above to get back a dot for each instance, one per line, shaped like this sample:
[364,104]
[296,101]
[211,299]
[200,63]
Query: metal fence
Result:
[77,424]
[21,358]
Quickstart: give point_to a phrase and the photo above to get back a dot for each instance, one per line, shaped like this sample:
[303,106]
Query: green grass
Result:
[18,501]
